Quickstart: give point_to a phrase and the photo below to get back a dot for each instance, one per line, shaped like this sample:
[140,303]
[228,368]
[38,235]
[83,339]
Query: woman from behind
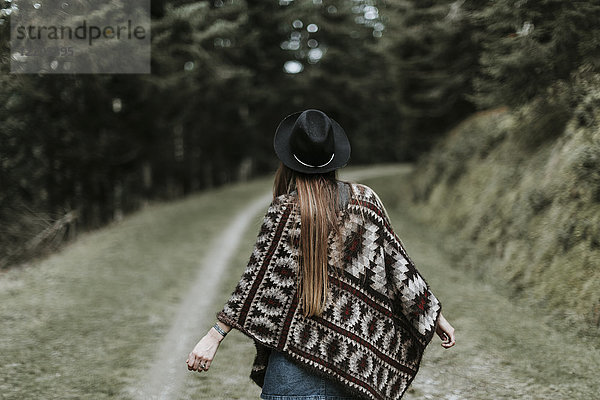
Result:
[335,306]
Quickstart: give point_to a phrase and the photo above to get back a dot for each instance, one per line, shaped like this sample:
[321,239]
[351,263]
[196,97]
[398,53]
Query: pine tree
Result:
[433,60]
[529,45]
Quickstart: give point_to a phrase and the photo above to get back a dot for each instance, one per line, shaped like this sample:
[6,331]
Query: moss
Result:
[527,210]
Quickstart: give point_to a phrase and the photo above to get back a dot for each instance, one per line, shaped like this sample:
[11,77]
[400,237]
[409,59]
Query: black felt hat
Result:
[311,142]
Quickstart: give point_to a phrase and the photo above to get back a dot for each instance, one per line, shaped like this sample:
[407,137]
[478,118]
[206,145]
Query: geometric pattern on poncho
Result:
[379,314]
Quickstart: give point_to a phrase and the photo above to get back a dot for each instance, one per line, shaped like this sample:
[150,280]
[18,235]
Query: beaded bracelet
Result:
[221,331]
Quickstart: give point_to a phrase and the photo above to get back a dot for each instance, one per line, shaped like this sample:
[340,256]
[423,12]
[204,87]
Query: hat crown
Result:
[312,140]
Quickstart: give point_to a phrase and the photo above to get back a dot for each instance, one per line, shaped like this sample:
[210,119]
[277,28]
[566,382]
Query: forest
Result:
[78,151]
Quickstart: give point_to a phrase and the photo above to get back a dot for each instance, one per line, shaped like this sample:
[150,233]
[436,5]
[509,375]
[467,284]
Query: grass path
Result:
[108,316]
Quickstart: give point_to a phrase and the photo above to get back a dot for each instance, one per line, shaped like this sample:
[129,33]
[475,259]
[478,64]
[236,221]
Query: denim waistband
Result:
[285,380]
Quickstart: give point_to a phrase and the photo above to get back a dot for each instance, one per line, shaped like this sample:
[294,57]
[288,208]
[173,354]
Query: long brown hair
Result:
[318,203]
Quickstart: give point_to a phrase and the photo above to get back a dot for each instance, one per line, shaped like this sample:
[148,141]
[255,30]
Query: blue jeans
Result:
[284,380]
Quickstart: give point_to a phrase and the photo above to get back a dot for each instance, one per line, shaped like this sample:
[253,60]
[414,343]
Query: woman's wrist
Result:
[219,330]
[215,335]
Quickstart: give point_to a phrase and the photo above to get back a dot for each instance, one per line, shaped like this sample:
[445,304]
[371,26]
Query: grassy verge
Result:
[505,349]
[524,216]
[79,323]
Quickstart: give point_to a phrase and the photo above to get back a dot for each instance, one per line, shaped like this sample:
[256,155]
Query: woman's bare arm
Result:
[204,352]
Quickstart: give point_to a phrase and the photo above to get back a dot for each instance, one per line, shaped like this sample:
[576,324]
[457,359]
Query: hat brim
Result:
[281,144]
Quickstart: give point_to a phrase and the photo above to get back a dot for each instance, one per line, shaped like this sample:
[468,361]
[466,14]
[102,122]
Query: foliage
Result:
[524,216]
[396,75]
[529,45]
[432,61]
[102,145]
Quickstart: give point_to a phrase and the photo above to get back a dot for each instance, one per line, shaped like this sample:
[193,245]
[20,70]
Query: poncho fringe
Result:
[379,314]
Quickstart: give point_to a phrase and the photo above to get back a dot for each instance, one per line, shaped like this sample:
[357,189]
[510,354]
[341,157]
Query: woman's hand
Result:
[446,332]
[201,357]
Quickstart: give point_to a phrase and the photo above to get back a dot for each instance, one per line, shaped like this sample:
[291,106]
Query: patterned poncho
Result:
[379,314]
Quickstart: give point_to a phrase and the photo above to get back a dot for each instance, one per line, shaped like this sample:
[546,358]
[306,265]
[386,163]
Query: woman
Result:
[335,306]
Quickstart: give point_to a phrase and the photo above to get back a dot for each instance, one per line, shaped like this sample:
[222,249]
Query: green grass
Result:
[505,349]
[524,218]
[229,375]
[83,322]
[80,323]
